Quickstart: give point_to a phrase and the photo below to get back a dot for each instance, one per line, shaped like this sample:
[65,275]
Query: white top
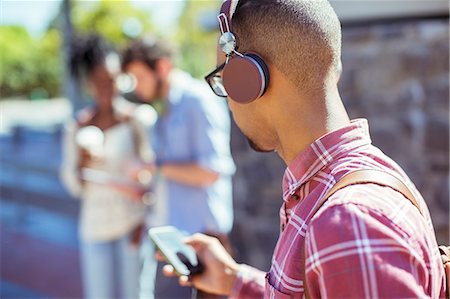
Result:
[105,213]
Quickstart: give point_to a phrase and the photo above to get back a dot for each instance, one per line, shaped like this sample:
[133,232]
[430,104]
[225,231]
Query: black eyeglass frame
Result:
[214,74]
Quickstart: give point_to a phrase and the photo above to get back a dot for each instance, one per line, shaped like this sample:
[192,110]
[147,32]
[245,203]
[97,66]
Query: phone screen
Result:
[181,256]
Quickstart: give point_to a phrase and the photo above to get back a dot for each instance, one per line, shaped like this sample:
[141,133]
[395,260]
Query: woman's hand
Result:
[133,192]
[141,172]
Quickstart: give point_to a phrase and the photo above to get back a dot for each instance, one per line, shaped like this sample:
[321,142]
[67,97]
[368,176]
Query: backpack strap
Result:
[367,176]
[370,176]
[444,250]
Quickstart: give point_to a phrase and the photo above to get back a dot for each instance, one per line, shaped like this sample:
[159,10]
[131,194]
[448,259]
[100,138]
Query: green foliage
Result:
[197,44]
[28,64]
[109,18]
[33,66]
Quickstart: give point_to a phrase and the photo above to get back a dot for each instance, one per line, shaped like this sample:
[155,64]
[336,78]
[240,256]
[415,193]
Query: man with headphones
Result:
[191,142]
[279,65]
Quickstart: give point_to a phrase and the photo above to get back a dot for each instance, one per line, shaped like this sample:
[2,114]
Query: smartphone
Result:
[169,241]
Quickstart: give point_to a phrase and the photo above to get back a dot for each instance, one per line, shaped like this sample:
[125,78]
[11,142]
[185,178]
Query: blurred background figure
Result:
[98,145]
[191,139]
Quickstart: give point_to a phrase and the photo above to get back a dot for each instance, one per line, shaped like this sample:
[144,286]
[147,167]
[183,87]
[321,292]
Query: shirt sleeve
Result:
[70,160]
[355,252]
[211,136]
[249,283]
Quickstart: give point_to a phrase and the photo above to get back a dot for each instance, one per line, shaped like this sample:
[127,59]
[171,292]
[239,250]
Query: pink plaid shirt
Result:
[366,241]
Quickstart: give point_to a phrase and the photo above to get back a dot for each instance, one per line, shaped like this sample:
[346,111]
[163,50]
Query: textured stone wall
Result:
[397,76]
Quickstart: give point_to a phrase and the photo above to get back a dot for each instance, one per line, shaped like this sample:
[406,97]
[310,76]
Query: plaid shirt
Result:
[366,241]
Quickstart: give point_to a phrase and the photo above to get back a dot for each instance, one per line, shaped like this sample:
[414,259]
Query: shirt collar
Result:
[179,81]
[322,152]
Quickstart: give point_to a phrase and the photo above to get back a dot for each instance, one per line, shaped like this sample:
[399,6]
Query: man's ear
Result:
[220,56]
[164,67]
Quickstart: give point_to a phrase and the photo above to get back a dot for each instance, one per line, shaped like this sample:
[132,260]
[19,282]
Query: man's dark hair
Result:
[148,50]
[302,38]
[88,51]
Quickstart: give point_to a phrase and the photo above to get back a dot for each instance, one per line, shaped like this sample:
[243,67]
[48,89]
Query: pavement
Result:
[39,255]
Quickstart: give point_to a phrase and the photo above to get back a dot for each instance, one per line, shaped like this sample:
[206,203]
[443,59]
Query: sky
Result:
[35,15]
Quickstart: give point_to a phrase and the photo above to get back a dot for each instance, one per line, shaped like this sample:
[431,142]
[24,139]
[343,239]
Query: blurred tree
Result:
[15,43]
[47,63]
[28,65]
[195,39]
[33,67]
[117,21]
[72,86]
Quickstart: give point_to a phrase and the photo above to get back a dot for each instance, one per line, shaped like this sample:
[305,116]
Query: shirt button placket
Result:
[294,197]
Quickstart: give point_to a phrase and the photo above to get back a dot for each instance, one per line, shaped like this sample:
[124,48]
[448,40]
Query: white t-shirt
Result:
[107,214]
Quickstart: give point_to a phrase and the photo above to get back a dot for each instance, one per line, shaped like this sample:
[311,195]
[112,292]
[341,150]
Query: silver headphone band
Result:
[227,39]
[223,17]
[261,72]
[227,17]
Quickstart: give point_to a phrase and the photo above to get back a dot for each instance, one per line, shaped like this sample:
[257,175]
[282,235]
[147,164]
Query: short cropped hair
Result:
[302,38]
[147,50]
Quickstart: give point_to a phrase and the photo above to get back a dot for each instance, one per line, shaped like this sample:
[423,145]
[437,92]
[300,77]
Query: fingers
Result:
[199,241]
[128,190]
[159,257]
[132,169]
[183,280]
[169,271]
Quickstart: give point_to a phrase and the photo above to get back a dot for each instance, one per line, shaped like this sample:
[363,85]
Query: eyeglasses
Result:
[215,81]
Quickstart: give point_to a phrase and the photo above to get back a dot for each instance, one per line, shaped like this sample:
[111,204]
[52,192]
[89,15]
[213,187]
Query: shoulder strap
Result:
[370,176]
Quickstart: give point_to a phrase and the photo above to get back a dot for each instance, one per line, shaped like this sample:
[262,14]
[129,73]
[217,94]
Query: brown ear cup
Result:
[245,78]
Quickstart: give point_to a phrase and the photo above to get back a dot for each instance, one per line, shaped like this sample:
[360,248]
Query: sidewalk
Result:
[39,255]
[38,220]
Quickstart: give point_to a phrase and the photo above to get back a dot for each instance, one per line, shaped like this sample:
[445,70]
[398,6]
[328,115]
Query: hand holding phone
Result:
[182,257]
[219,269]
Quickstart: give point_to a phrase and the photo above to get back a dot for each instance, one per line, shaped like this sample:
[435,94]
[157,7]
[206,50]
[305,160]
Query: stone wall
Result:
[397,76]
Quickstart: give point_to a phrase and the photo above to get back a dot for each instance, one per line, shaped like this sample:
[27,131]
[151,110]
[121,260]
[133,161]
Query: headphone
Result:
[245,75]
